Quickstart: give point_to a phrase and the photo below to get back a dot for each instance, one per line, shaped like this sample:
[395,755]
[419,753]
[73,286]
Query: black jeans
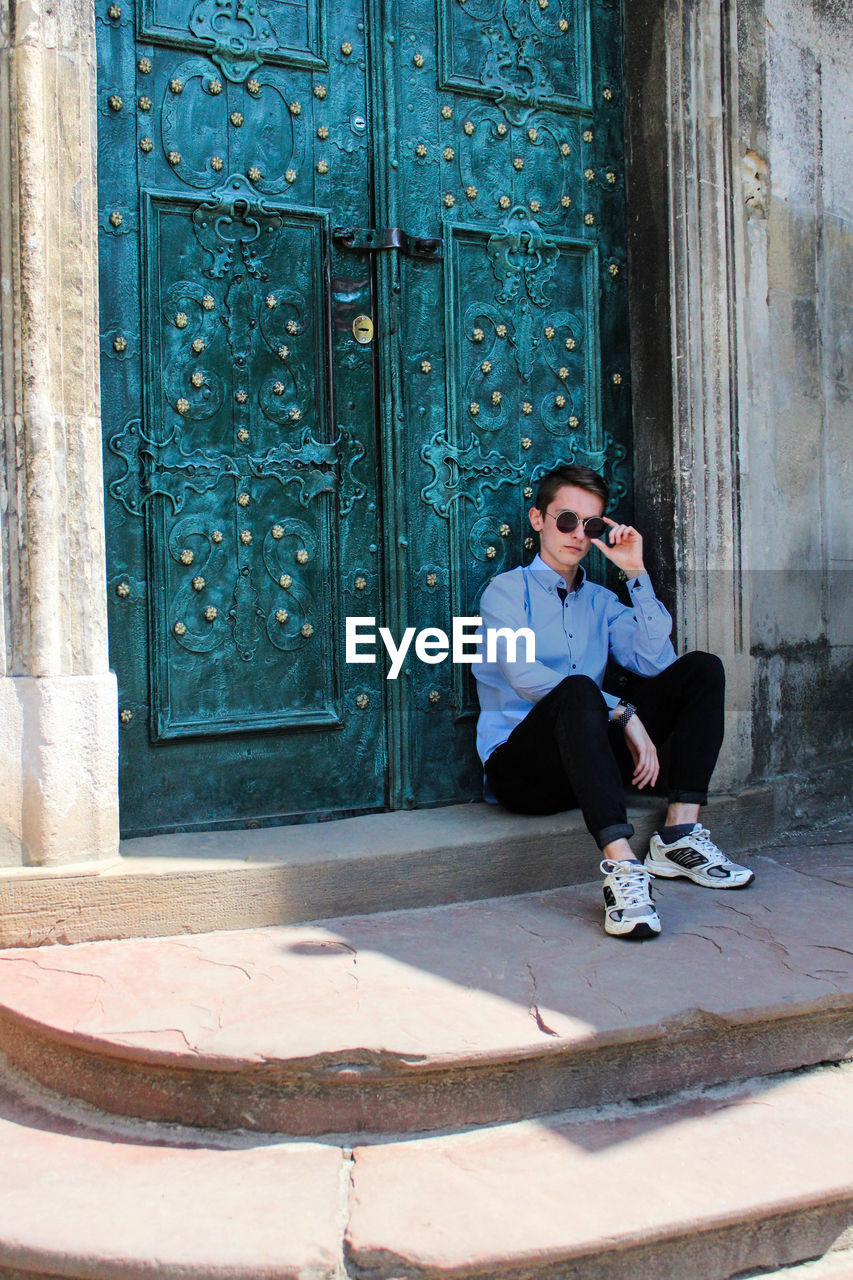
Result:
[565,753]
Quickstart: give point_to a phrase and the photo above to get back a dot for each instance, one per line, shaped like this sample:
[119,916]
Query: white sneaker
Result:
[629,907]
[697,858]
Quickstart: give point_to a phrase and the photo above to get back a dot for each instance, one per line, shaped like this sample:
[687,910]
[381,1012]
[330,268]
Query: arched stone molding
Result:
[58,712]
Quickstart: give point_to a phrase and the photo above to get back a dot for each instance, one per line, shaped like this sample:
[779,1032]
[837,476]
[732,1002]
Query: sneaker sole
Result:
[663,872]
[636,933]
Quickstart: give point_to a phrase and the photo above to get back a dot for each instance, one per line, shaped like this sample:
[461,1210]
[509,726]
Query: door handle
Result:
[373,240]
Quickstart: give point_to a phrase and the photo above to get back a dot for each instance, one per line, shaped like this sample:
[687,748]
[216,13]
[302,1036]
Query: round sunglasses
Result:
[568,521]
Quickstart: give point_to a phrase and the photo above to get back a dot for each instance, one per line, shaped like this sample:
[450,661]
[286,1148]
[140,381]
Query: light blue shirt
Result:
[572,638]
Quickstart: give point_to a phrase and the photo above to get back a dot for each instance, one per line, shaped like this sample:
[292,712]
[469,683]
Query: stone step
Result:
[466,1014]
[203,881]
[712,1185]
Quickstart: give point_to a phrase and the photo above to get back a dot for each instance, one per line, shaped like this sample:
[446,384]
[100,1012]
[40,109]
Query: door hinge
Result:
[372,240]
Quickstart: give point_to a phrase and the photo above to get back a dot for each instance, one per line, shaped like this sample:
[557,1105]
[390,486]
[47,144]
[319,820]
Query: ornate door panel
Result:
[238,410]
[509,142]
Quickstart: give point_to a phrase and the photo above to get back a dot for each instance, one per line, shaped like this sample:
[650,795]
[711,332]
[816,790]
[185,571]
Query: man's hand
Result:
[626,547]
[644,753]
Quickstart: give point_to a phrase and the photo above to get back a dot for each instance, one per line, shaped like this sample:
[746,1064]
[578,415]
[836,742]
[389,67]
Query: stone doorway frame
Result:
[58,700]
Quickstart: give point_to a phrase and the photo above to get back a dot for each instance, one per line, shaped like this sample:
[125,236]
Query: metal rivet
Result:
[617,379]
[295,415]
[302,556]
[278,388]
[179,629]
[468,127]
[346,48]
[570,344]
[243,435]
[362,701]
[144,66]
[243,499]
[198,345]
[535,206]
[215,87]
[566,201]
[183,406]
[501,330]
[560,402]
[236,119]
[431,579]
[216,536]
[181,320]
[528,491]
[198,584]
[502,129]
[527,408]
[426,367]
[285,581]
[418,59]
[115,102]
[449,201]
[446,111]
[283,353]
[281,615]
[613,269]
[307,630]
[497,396]
[563,372]
[116,218]
[587,135]
[253,87]
[120,344]
[532,134]
[145,104]
[360,582]
[504,202]
[420,150]
[549,331]
[208,302]
[434,696]
[563,24]
[246,537]
[176,86]
[210,613]
[197,379]
[448,153]
[607,94]
[292,326]
[254,174]
[319,91]
[574,422]
[526,442]
[611,177]
[322,166]
[295,108]
[146,145]
[589,174]
[186,556]
[565,149]
[471,192]
[114,12]
[505,530]
[123,590]
[589,219]
[486,366]
[528,544]
[491,552]
[216,163]
[322,133]
[478,335]
[518,163]
[473,408]
[125,716]
[241,396]
[277,531]
[174,157]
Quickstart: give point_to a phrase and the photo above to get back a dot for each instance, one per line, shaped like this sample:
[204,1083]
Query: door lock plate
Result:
[372,240]
[362,329]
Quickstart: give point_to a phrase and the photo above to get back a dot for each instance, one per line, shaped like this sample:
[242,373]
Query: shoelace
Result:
[632,881]
[702,838]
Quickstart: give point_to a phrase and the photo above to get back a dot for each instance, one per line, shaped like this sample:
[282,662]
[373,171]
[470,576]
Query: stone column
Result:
[710,463]
[58,704]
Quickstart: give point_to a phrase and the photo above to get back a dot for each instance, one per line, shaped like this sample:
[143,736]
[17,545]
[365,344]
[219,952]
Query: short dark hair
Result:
[570,473]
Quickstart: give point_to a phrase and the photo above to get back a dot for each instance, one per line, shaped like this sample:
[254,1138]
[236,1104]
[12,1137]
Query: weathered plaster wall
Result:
[795,88]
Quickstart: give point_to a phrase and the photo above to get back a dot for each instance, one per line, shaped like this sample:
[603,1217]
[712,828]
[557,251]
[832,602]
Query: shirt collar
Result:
[550,579]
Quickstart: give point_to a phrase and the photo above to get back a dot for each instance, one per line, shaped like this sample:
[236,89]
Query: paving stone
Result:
[708,1187]
[468,1013]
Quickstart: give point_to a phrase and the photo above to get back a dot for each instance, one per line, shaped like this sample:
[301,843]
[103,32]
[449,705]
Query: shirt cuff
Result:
[640,582]
[612,699]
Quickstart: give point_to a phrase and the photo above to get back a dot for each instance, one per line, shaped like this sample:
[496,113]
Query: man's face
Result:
[564,551]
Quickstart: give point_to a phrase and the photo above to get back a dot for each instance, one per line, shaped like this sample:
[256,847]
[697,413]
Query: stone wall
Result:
[795,145]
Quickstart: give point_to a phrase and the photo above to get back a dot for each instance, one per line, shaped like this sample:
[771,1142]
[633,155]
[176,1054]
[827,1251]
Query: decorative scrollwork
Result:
[238,34]
[463,473]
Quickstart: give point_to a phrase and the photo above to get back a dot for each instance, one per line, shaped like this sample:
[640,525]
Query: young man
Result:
[551,739]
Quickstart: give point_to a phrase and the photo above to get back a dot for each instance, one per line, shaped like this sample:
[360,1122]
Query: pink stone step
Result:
[463,1014]
[707,1188]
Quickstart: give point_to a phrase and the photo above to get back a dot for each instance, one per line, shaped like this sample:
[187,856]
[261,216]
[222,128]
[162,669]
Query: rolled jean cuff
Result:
[687,797]
[619,831]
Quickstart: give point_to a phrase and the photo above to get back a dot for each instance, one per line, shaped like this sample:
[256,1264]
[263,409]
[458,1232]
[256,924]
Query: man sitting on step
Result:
[550,738]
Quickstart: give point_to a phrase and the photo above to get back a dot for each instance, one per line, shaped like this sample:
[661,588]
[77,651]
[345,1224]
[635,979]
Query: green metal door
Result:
[272,469]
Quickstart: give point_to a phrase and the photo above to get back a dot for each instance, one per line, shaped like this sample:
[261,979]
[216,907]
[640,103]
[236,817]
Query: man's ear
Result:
[536,518]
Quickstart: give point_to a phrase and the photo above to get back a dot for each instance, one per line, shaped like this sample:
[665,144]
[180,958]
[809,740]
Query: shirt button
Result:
[574,664]
[570,636]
